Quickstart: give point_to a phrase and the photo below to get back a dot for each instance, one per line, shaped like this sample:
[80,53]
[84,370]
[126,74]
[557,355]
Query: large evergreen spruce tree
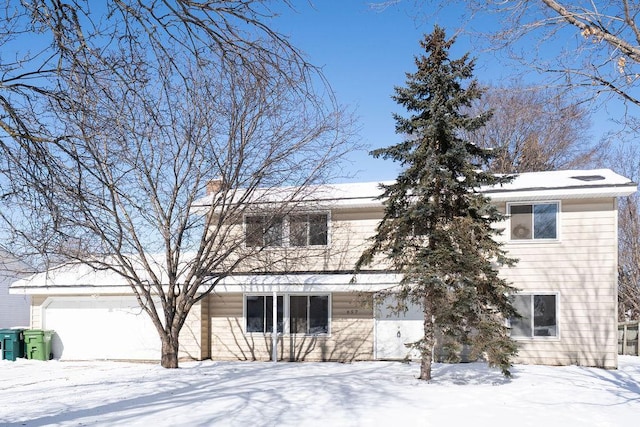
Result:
[437,228]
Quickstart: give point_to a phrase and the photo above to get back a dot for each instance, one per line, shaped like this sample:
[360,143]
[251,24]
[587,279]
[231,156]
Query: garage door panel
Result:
[89,328]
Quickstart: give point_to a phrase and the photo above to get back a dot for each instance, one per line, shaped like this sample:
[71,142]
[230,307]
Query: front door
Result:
[394,331]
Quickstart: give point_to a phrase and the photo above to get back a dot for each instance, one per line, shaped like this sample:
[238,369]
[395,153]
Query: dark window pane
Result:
[521,222]
[298,314]
[298,230]
[255,314]
[521,327]
[318,314]
[544,316]
[544,216]
[273,232]
[318,230]
[254,231]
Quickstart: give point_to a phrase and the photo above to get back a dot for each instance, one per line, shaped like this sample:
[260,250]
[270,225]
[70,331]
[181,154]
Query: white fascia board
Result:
[307,283]
[562,193]
[244,283]
[71,290]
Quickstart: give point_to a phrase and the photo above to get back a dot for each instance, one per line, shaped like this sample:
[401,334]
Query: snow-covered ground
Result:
[34,393]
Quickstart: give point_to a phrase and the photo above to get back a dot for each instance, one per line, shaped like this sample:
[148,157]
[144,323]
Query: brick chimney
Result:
[214,186]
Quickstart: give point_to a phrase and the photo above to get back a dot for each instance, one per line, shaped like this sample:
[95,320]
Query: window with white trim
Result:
[309,314]
[308,230]
[297,230]
[262,230]
[296,314]
[538,316]
[534,221]
[259,313]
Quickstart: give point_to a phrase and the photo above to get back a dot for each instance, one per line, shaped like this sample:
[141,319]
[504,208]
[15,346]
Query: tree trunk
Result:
[426,350]
[169,357]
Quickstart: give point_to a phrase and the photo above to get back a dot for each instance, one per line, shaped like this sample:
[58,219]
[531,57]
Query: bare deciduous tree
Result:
[589,46]
[533,129]
[604,54]
[115,124]
[627,161]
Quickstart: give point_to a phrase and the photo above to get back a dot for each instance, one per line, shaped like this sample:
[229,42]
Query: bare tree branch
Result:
[111,132]
[533,129]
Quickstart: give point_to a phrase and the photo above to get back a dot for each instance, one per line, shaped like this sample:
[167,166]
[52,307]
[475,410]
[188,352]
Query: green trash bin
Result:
[37,343]
[11,344]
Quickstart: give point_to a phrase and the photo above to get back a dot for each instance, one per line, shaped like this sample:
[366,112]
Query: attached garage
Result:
[103,327]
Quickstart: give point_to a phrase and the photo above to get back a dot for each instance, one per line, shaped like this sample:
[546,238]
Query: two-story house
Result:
[562,226]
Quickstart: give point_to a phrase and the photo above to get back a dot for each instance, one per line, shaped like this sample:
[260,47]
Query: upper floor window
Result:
[261,230]
[538,316]
[308,230]
[534,221]
[297,230]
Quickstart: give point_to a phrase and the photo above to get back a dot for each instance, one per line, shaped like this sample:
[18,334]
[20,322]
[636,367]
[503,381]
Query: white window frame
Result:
[286,230]
[245,317]
[308,312]
[534,337]
[532,204]
[308,229]
[286,319]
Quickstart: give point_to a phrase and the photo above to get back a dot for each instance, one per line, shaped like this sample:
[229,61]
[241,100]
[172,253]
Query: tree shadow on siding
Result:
[338,347]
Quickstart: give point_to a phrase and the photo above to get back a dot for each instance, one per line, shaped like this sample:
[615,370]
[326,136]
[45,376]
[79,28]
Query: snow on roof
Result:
[84,278]
[533,185]
[563,178]
[72,275]
[563,184]
[528,185]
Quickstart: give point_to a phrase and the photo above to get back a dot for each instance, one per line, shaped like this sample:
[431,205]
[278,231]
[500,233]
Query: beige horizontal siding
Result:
[570,353]
[194,338]
[351,336]
[348,234]
[581,267]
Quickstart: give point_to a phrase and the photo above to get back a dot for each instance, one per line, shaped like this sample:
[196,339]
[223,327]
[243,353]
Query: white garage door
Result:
[90,328]
[394,331]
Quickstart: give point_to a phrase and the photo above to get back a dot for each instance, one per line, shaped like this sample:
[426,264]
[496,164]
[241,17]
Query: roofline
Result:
[579,191]
[572,187]
[569,192]
[321,281]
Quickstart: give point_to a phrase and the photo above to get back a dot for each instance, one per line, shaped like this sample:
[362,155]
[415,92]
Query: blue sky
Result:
[365,53]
